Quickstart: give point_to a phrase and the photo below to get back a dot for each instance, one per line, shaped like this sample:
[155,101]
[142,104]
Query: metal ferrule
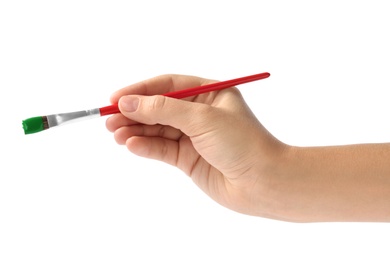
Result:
[65,118]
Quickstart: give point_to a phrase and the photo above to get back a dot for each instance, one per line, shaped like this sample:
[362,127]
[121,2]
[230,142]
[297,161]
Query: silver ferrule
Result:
[65,118]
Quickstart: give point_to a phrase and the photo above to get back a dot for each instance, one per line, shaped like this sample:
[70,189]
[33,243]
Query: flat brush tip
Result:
[35,124]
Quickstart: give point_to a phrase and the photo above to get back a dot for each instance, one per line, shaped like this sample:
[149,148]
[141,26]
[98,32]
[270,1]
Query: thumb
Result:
[189,117]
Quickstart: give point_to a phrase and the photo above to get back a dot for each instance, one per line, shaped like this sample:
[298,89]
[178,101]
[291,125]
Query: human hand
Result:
[214,138]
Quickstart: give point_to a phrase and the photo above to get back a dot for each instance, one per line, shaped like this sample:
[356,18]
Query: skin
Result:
[217,141]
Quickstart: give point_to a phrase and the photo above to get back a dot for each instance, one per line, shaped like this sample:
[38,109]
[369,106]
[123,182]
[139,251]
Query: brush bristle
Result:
[35,124]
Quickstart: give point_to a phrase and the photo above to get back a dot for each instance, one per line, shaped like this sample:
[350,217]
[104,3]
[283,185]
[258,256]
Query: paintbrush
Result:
[40,123]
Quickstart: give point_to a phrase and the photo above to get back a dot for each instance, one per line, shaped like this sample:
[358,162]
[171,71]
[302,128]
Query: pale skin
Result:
[217,141]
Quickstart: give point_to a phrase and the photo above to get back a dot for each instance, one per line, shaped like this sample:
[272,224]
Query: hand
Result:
[213,137]
[220,144]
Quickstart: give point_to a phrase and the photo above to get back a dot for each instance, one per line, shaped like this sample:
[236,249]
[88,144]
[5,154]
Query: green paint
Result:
[33,125]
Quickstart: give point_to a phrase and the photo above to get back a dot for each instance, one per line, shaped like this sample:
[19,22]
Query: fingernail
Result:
[129,103]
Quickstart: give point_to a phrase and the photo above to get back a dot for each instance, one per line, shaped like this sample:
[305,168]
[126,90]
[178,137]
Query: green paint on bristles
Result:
[33,125]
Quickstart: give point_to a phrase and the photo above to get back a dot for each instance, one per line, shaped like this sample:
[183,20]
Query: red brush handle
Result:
[109,110]
[113,109]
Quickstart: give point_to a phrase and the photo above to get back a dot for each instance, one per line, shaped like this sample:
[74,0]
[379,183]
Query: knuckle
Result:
[161,131]
[164,151]
[157,103]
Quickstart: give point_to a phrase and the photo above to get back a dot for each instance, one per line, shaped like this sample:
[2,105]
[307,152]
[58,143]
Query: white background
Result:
[73,193]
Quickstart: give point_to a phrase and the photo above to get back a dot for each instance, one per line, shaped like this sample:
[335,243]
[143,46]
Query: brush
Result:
[40,123]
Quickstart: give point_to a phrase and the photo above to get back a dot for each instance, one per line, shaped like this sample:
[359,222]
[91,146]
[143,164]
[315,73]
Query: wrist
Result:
[270,195]
[283,189]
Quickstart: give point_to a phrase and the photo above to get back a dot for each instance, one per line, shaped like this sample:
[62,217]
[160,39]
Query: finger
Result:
[191,118]
[117,121]
[177,153]
[154,148]
[210,181]
[159,85]
[126,132]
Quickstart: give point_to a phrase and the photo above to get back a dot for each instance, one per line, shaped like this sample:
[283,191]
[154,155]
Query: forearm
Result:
[340,183]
